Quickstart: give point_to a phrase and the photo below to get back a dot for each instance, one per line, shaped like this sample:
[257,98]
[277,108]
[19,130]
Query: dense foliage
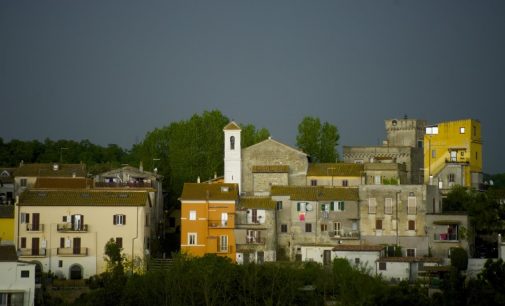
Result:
[318,140]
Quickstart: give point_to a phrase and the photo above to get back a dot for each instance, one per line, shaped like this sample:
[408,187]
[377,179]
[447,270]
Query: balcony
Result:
[32,252]
[30,227]
[72,251]
[457,161]
[445,237]
[220,224]
[342,234]
[69,227]
[255,240]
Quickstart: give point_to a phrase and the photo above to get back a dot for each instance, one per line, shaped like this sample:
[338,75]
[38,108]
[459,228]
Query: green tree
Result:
[318,140]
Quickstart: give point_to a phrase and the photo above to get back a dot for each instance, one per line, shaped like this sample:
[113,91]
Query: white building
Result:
[17,279]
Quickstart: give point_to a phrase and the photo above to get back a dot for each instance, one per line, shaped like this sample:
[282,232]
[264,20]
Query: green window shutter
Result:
[322,207]
[343,205]
[298,206]
[332,206]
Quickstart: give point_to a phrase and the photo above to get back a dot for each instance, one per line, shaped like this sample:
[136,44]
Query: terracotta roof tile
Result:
[7,211]
[270,169]
[316,193]
[8,253]
[47,170]
[411,259]
[83,197]
[63,182]
[232,126]
[214,192]
[335,169]
[257,202]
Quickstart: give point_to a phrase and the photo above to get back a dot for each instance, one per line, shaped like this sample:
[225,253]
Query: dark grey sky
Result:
[110,71]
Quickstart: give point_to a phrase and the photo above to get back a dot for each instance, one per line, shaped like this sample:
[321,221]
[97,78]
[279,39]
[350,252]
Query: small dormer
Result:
[225,188]
[56,167]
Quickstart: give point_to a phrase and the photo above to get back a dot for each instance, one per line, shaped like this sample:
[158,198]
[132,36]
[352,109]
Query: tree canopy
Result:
[318,140]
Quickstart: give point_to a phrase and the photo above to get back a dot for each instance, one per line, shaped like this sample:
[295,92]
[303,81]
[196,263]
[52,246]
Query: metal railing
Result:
[445,237]
[255,240]
[343,234]
[30,227]
[220,223]
[72,251]
[32,252]
[69,227]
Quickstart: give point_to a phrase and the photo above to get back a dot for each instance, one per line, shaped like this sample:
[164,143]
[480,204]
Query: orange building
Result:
[208,219]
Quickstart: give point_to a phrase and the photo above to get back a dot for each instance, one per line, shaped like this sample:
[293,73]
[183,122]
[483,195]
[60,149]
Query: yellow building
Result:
[453,154]
[65,230]
[7,223]
[208,219]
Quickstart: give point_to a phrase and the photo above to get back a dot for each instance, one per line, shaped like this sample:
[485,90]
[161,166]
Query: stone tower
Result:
[232,154]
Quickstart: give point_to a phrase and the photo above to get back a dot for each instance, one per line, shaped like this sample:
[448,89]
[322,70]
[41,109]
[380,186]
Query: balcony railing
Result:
[255,240]
[32,252]
[342,234]
[30,227]
[445,237]
[72,251]
[127,184]
[69,227]
[457,161]
[220,223]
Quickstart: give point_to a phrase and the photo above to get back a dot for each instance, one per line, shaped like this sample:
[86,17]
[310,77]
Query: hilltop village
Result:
[380,208]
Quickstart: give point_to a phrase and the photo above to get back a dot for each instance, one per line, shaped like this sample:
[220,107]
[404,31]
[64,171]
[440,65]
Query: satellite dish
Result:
[309,207]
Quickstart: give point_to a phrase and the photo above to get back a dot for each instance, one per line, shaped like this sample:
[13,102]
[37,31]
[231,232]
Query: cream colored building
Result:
[65,230]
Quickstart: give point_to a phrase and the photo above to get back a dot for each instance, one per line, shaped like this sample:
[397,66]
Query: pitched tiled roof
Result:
[316,193]
[385,166]
[7,211]
[335,169]
[8,253]
[359,248]
[232,126]
[63,182]
[48,170]
[411,259]
[213,192]
[270,169]
[83,197]
[257,202]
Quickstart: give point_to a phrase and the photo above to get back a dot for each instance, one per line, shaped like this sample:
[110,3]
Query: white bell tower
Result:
[232,154]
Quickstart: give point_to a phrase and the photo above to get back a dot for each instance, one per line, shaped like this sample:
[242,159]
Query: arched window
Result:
[232,143]
[75,271]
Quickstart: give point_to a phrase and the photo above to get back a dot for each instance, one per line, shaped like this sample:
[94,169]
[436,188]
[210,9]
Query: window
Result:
[324,227]
[372,206]
[308,227]
[462,130]
[284,228]
[313,182]
[388,206]
[451,178]
[337,206]
[337,228]
[23,242]
[412,225]
[474,130]
[23,182]
[382,266]
[378,224]
[301,206]
[354,225]
[432,130]
[191,238]
[232,143]
[224,219]
[420,144]
[119,242]
[25,218]
[60,263]
[433,153]
[254,216]
[25,273]
[411,206]
[223,243]
[411,252]
[62,242]
[345,183]
[279,205]
[119,219]
[377,180]
[192,215]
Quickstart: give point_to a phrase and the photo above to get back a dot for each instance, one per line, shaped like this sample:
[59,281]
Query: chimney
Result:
[198,180]
[215,175]
[141,167]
